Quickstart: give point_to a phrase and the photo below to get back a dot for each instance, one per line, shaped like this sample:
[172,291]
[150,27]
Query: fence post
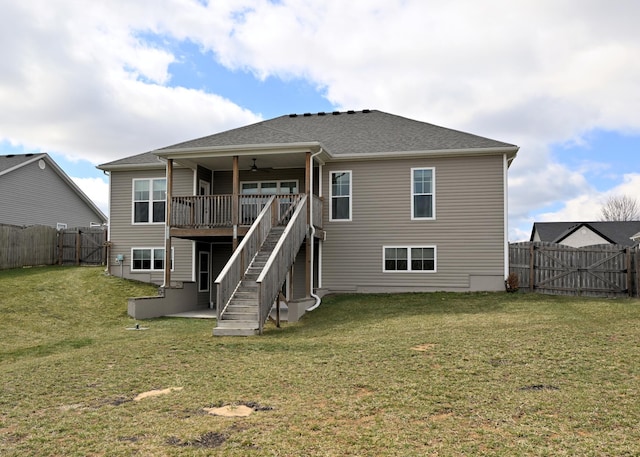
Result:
[60,246]
[629,272]
[532,276]
[78,246]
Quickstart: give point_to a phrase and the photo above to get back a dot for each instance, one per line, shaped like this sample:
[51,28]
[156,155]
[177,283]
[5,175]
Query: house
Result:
[34,190]
[579,234]
[355,201]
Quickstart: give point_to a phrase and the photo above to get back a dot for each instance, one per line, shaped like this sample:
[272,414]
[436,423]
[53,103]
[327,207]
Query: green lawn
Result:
[364,375]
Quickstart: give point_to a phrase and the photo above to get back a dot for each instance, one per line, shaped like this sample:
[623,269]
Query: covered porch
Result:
[230,192]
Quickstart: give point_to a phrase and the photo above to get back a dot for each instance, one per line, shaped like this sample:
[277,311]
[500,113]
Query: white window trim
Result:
[200,253]
[331,173]
[151,201]
[433,194]
[408,248]
[61,226]
[140,270]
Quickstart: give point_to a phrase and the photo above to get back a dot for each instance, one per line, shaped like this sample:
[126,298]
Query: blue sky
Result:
[93,83]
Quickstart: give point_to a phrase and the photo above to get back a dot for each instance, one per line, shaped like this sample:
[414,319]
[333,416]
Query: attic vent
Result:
[10,155]
[307,114]
[336,113]
[321,113]
[351,111]
[293,115]
[366,110]
[29,155]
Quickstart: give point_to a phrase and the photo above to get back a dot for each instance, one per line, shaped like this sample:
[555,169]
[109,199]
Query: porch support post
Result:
[235,210]
[309,244]
[167,226]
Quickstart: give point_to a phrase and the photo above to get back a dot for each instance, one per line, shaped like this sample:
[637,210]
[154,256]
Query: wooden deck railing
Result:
[215,211]
[229,278]
[202,211]
[275,271]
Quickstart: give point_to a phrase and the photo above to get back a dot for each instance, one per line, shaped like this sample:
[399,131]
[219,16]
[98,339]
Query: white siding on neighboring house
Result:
[124,235]
[583,237]
[35,194]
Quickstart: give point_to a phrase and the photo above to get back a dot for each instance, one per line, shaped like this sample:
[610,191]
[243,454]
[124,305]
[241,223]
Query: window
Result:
[61,226]
[203,271]
[409,258]
[149,200]
[148,259]
[423,193]
[269,187]
[250,208]
[340,199]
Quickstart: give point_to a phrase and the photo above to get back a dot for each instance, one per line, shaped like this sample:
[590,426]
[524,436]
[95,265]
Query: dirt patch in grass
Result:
[156,393]
[242,409]
[426,347]
[535,387]
[209,440]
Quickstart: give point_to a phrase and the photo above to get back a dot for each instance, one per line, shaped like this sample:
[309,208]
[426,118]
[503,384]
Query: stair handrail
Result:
[284,253]
[229,278]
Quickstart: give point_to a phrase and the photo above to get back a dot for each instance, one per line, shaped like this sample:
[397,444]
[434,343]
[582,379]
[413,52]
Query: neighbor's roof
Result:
[350,133]
[11,162]
[616,232]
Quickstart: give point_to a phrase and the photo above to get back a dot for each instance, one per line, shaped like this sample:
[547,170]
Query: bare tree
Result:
[620,208]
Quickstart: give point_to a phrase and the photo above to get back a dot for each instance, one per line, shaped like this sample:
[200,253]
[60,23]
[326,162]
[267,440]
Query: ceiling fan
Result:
[254,167]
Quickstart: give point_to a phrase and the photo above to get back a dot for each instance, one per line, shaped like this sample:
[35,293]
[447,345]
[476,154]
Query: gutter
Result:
[317,298]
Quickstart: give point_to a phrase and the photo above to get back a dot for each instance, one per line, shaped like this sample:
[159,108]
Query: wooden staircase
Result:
[241,317]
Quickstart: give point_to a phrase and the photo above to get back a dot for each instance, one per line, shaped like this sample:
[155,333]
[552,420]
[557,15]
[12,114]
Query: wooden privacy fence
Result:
[27,246]
[42,245]
[599,271]
[82,246]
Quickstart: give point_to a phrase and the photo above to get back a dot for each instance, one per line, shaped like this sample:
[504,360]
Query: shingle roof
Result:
[618,232]
[339,133]
[353,132]
[13,160]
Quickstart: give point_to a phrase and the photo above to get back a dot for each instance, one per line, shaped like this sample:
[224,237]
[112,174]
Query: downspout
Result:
[505,165]
[313,234]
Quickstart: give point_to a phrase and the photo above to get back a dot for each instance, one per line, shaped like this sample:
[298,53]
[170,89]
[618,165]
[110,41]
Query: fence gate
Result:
[82,246]
[603,270]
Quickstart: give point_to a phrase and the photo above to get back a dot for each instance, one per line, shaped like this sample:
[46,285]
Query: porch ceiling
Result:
[245,161]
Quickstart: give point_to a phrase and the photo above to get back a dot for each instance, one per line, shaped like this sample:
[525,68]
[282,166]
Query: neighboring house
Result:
[35,191]
[579,234]
[374,202]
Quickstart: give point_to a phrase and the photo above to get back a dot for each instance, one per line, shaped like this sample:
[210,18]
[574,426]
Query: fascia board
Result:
[510,151]
[237,149]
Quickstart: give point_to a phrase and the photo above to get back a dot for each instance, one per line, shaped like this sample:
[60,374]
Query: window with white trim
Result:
[148,259]
[203,271]
[409,258]
[423,196]
[269,187]
[149,200]
[340,202]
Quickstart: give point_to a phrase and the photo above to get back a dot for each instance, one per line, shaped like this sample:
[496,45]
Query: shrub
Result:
[512,283]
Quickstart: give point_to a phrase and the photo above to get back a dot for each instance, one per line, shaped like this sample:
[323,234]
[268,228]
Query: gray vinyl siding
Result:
[32,196]
[125,235]
[468,230]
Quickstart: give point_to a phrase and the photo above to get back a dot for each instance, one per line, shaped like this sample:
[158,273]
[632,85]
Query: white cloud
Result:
[78,80]
[96,189]
[83,79]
